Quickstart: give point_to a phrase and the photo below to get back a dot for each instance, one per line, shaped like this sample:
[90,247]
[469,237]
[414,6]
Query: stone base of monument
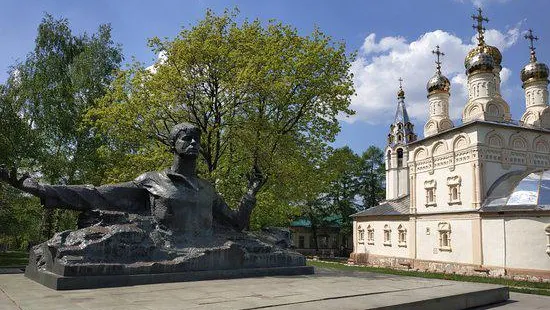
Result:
[326,289]
[58,282]
[132,250]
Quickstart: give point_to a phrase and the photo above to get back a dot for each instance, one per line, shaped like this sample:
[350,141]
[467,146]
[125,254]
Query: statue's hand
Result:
[256,179]
[31,186]
[25,183]
[10,176]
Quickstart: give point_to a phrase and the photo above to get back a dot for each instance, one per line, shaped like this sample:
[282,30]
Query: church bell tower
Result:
[401,133]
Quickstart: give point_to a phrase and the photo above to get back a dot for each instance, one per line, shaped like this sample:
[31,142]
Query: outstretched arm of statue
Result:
[240,218]
[127,196]
[25,183]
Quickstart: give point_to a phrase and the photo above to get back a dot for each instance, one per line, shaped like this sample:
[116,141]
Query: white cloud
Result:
[501,40]
[482,3]
[387,43]
[380,64]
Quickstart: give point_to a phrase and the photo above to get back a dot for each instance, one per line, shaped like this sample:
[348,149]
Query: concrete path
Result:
[519,301]
[324,290]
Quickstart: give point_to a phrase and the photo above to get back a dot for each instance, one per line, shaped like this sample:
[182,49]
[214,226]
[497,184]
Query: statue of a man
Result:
[177,198]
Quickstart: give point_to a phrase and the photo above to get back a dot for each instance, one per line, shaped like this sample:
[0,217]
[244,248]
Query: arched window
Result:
[444,236]
[455,193]
[402,236]
[430,186]
[360,234]
[370,235]
[399,158]
[454,183]
[387,235]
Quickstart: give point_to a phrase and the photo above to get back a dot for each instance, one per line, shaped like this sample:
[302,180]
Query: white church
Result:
[472,198]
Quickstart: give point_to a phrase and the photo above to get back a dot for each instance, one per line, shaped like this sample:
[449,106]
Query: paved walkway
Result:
[324,290]
[519,301]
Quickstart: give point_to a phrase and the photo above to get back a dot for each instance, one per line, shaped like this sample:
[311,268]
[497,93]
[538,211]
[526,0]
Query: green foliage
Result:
[372,177]
[12,258]
[263,96]
[41,115]
[344,179]
[57,83]
[20,218]
[343,168]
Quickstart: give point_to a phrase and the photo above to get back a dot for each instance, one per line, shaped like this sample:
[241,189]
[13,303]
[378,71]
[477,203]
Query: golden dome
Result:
[534,71]
[487,49]
[479,62]
[438,82]
[401,93]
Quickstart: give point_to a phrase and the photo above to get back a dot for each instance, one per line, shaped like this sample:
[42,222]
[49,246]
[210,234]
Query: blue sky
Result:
[392,39]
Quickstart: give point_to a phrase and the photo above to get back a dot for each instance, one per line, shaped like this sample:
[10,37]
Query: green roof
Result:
[331,221]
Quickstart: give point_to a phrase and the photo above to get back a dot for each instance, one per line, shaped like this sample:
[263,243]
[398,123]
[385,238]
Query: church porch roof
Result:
[399,206]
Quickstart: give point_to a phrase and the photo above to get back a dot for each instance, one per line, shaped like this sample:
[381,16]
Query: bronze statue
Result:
[177,198]
[161,227]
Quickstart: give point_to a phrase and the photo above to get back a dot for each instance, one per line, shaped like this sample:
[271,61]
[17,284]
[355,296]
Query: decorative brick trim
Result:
[374,260]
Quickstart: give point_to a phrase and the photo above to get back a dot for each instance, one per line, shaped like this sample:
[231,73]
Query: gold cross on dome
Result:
[401,92]
[532,38]
[438,54]
[479,27]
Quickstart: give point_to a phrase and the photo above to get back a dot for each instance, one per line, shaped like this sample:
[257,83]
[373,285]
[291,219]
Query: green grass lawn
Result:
[539,288]
[13,258]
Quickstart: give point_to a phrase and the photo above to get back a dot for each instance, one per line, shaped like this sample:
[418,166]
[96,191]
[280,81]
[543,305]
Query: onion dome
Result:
[438,82]
[478,57]
[480,62]
[400,93]
[487,49]
[534,70]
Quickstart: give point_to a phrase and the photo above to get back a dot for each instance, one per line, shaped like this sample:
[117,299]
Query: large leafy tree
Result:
[58,82]
[343,168]
[372,177]
[44,102]
[346,183]
[19,215]
[265,98]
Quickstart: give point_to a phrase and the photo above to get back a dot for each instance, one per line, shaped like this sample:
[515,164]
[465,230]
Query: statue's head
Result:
[185,140]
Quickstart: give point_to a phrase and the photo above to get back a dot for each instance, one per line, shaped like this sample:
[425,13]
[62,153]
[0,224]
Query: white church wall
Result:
[506,149]
[441,162]
[526,243]
[493,241]
[441,180]
[403,180]
[516,242]
[428,242]
[378,246]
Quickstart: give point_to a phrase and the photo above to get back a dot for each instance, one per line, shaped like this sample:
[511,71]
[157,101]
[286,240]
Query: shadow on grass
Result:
[13,258]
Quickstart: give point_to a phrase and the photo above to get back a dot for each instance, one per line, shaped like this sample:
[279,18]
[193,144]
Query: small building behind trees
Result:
[326,240]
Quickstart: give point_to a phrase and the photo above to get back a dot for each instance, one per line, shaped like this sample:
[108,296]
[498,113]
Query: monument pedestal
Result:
[58,282]
[134,252]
